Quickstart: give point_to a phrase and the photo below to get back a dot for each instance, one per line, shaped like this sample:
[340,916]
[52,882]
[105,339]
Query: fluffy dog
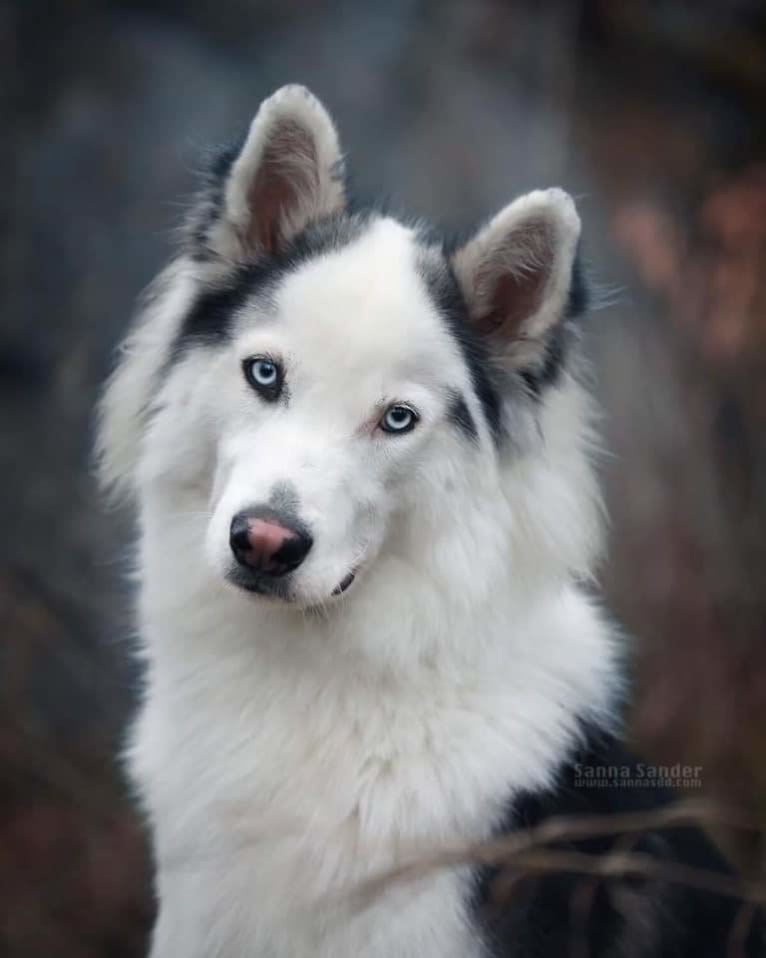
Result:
[361,459]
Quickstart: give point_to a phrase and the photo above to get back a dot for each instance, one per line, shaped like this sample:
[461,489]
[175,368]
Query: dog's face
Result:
[317,379]
[339,380]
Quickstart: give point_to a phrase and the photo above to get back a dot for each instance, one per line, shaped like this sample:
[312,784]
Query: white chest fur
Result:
[279,773]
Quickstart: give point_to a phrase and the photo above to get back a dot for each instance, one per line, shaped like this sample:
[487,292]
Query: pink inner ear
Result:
[511,282]
[287,175]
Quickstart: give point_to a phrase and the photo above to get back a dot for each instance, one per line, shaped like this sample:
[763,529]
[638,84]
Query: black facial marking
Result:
[209,321]
[445,292]
[284,498]
[459,414]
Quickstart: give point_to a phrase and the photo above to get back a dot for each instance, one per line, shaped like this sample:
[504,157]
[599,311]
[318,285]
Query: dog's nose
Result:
[268,544]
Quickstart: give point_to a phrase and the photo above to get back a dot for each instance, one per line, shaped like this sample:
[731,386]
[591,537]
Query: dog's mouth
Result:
[278,587]
[345,583]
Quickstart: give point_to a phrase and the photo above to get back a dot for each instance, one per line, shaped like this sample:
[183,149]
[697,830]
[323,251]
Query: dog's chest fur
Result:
[278,779]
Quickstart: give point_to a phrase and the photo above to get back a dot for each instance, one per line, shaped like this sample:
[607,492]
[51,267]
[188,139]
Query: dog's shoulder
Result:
[535,914]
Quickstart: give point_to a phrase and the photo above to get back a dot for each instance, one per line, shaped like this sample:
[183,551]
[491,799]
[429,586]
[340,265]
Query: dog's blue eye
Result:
[398,419]
[264,375]
[264,372]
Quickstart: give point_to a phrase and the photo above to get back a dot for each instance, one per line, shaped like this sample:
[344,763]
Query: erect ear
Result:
[289,172]
[516,274]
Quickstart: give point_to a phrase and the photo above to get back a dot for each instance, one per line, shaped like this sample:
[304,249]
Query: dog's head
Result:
[313,387]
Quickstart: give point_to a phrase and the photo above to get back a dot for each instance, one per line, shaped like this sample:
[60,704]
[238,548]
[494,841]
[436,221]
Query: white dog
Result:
[361,460]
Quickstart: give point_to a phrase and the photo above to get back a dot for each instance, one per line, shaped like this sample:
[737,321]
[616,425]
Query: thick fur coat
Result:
[421,664]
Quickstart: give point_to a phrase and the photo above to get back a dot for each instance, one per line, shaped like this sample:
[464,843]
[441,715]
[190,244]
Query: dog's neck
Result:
[508,670]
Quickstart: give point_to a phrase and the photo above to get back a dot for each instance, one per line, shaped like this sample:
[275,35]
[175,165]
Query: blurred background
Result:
[652,113]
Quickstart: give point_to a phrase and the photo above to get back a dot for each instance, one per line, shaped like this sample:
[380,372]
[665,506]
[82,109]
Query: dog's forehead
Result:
[367,300]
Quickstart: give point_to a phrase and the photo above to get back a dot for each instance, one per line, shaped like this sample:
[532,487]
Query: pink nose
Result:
[266,545]
[265,539]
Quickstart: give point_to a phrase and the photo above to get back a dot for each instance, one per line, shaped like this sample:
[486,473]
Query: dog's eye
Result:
[398,419]
[264,375]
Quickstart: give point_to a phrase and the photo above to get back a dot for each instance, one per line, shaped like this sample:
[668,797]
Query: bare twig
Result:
[528,850]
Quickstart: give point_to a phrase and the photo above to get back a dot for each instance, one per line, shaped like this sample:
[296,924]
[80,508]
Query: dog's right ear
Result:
[518,273]
[288,173]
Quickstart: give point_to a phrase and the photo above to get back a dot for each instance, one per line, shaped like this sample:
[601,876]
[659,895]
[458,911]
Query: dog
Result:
[362,461]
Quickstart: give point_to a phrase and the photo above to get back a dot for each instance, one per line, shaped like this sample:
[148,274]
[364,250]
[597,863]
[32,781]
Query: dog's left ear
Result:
[288,172]
[516,274]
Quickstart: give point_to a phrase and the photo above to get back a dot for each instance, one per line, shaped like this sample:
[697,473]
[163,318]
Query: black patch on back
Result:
[448,299]
[540,916]
[460,415]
